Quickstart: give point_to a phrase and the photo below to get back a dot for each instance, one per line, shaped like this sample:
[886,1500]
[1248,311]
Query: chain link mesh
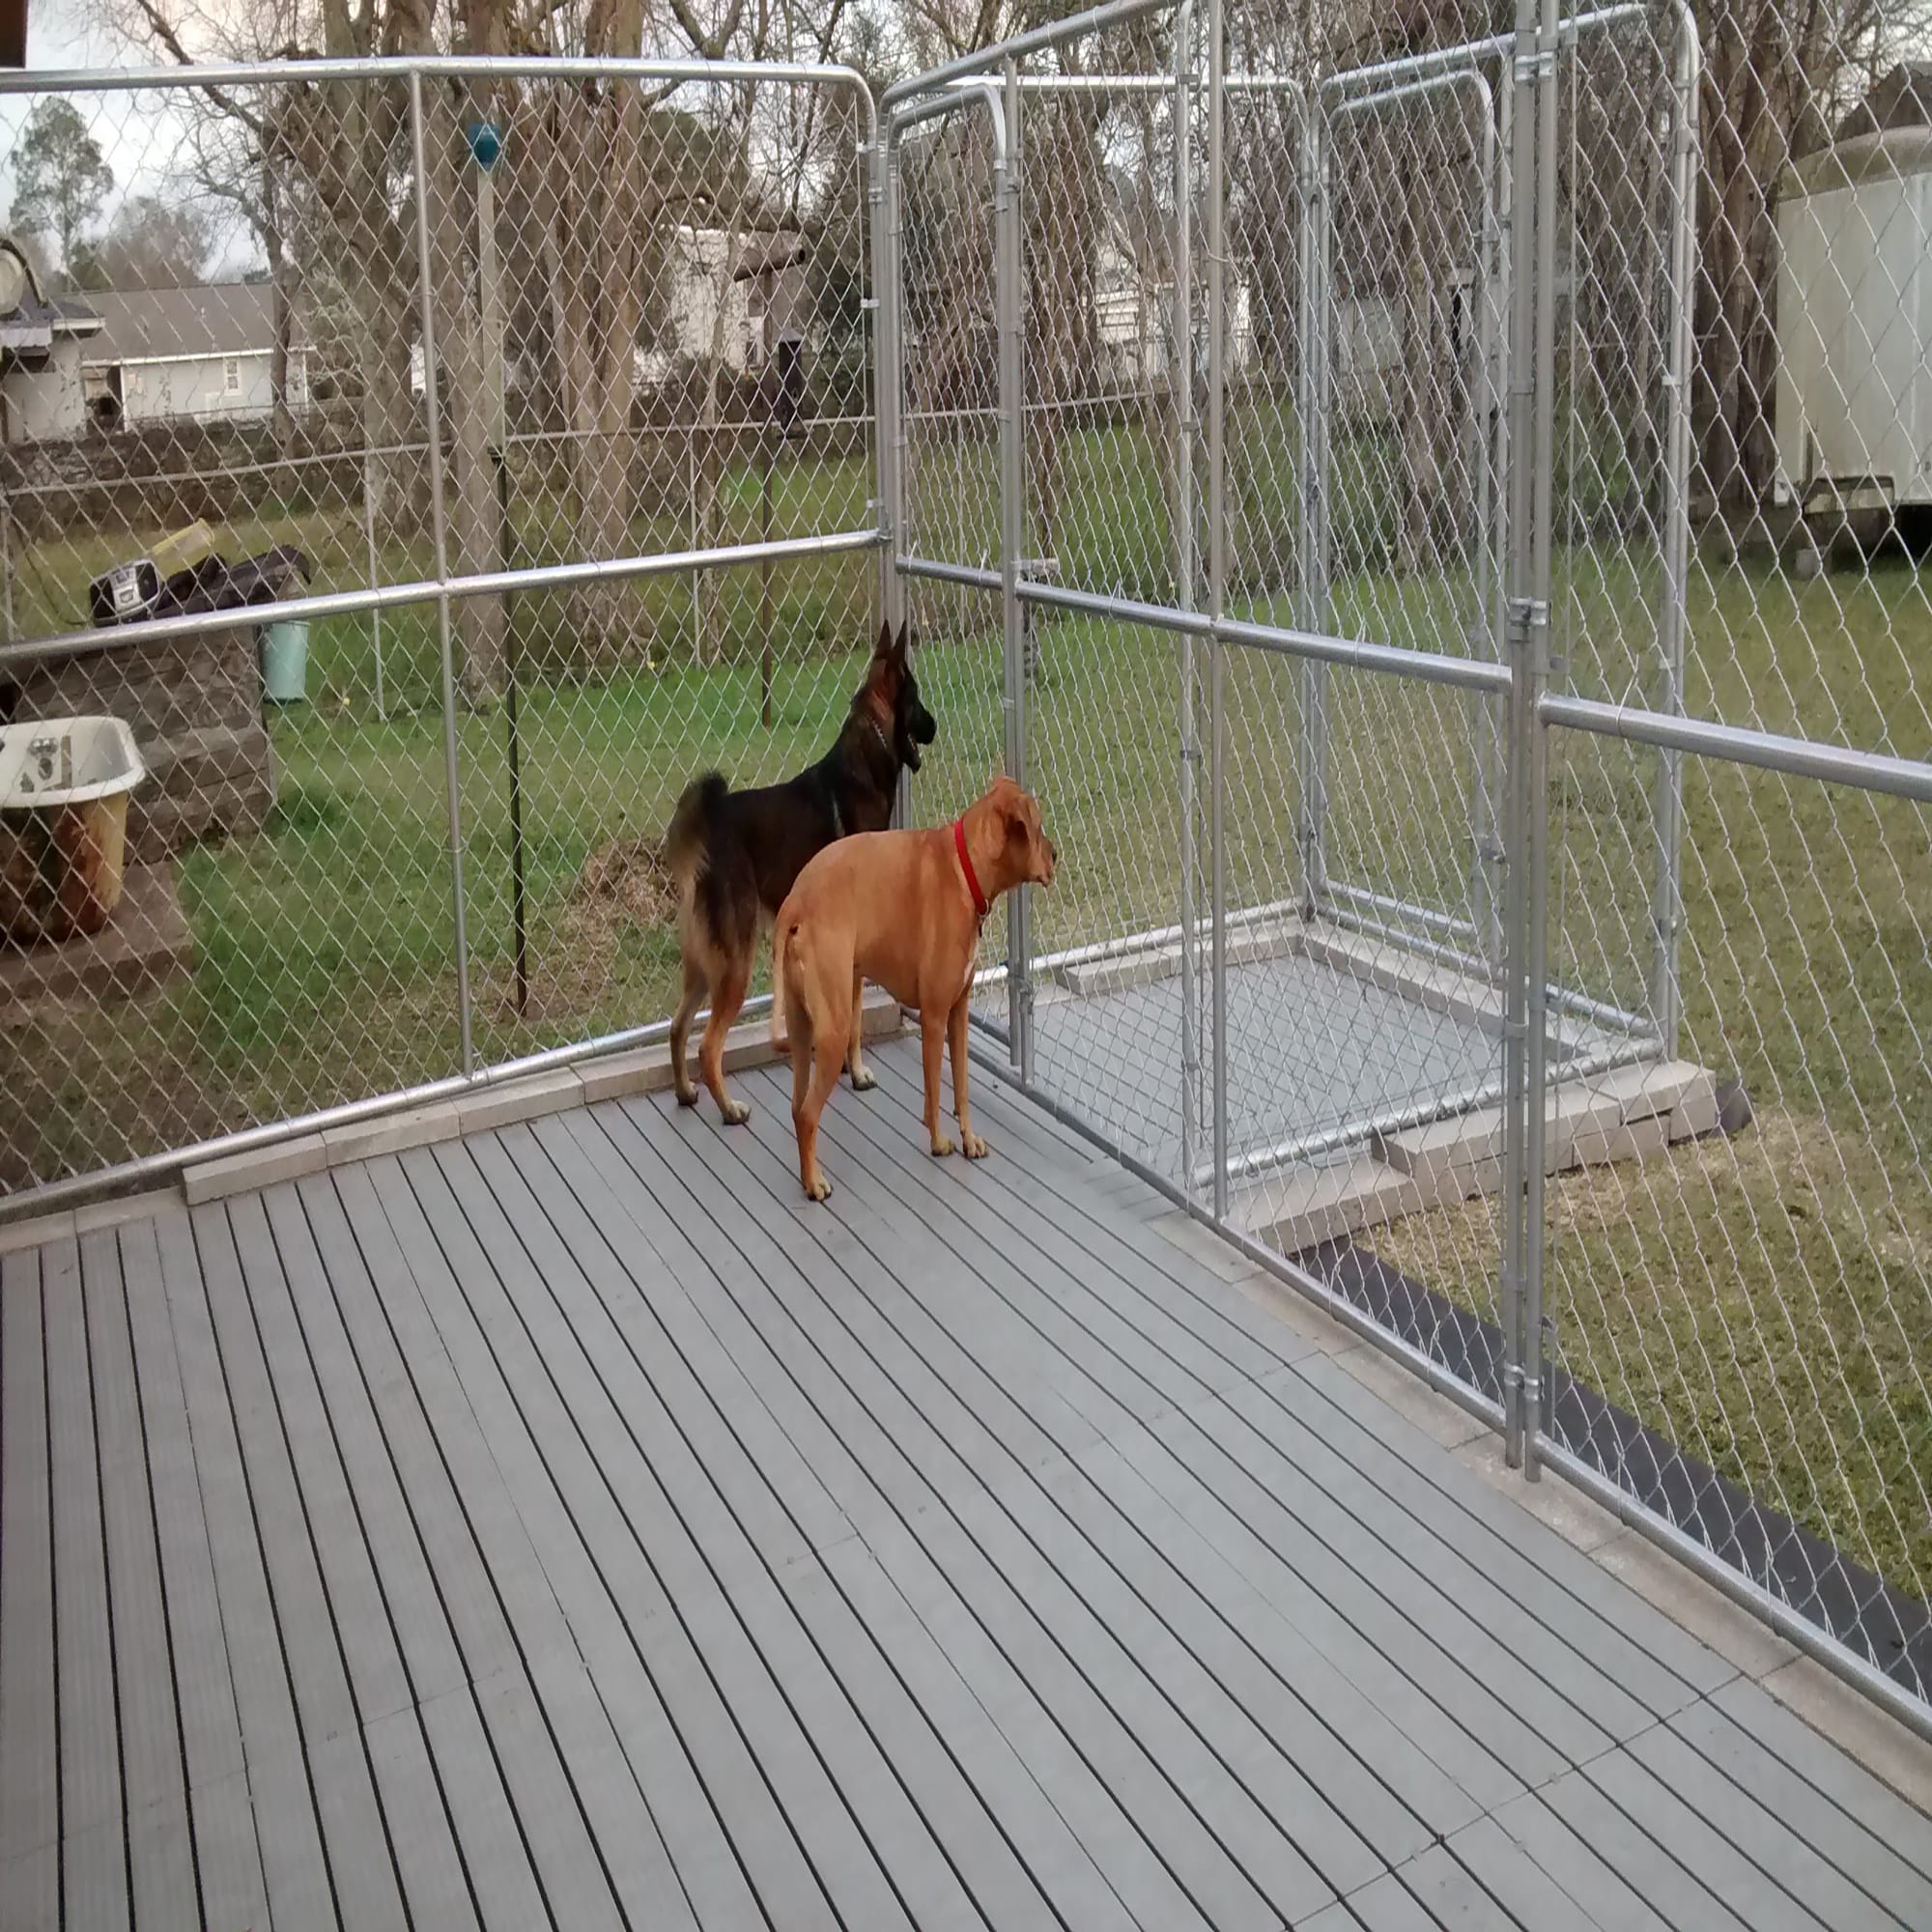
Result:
[677,276]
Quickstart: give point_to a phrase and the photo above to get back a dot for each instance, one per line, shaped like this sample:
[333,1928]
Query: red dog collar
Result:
[981,904]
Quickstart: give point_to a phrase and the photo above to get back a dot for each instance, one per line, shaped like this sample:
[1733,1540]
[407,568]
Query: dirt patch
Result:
[623,883]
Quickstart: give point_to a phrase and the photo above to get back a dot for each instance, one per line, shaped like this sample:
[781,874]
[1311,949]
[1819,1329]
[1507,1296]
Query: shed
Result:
[1854,402]
[42,338]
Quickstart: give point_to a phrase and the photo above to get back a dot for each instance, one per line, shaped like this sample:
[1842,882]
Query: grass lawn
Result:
[1766,1301]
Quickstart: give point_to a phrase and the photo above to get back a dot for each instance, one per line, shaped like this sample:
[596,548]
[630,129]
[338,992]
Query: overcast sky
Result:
[139,139]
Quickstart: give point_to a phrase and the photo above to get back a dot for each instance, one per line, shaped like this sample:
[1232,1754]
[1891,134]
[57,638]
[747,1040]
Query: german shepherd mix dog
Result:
[734,855]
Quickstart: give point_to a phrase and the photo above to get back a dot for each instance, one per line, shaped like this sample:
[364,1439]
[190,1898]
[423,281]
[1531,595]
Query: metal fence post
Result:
[1217,567]
[1520,726]
[439,529]
[1010,303]
[883,209]
[1180,379]
[1312,401]
[1536,649]
[1667,905]
[374,577]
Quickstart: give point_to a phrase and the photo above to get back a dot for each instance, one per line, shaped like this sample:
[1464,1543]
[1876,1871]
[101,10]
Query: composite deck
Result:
[568,1527]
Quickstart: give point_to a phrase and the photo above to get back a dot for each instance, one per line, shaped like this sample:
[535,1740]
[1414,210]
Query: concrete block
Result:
[1596,1146]
[1746,1644]
[1567,1511]
[513,1100]
[1429,1152]
[1873,1738]
[124,1209]
[1318,1331]
[36,1232]
[1323,1204]
[1201,1243]
[615,1076]
[392,1134]
[1443,1421]
[1696,1112]
[260,1167]
[1647,1090]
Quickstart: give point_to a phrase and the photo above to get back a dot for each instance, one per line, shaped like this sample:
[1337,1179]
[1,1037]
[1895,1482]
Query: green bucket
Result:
[285,663]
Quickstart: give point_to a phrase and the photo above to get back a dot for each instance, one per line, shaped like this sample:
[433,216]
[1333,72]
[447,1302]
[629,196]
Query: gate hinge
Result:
[1534,67]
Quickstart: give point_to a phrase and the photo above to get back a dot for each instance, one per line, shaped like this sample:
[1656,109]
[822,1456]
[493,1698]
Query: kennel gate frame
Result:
[1509,681]
[1518,680]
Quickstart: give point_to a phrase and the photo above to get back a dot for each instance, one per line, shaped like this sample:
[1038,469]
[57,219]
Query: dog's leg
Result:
[778,999]
[970,1143]
[863,1081]
[695,989]
[932,1047]
[809,1102]
[726,997]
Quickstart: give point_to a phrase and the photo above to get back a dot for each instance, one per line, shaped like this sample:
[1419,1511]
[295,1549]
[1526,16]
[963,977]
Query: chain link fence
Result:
[1430,543]
[1434,518]
[649,339]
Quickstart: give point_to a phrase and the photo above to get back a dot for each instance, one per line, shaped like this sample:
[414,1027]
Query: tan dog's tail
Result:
[687,843]
[781,945]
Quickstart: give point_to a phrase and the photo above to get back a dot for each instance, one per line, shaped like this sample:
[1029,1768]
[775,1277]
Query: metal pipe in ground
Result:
[439,529]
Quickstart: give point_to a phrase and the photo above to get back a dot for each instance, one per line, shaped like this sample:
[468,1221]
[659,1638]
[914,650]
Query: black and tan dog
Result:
[734,855]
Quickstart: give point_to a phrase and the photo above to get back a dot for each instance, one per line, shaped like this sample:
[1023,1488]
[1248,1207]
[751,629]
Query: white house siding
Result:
[208,388]
[47,401]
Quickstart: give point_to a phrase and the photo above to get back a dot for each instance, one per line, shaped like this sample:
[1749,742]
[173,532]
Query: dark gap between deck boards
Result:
[1821,1583]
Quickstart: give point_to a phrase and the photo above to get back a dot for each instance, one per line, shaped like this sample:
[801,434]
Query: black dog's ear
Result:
[885,645]
[902,643]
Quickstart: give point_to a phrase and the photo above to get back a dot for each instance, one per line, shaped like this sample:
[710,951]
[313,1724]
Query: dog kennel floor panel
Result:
[572,1525]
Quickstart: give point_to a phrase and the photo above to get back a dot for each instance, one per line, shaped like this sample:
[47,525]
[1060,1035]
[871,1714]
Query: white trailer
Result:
[1853,401]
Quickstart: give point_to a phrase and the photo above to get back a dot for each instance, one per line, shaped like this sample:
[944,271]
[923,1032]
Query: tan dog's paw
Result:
[863,1080]
[976,1148]
[818,1188]
[687,1097]
[942,1145]
[735,1113]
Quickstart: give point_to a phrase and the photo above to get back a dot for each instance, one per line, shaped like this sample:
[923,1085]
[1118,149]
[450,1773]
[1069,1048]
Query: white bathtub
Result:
[64,789]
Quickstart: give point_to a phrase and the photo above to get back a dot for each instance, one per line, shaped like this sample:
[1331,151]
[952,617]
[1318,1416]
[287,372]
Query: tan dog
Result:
[904,910]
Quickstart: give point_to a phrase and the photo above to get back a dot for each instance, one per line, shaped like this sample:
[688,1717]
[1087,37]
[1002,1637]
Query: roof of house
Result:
[166,324]
[31,324]
[1902,99]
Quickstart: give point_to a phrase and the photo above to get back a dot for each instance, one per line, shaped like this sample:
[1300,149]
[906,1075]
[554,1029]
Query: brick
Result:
[259,1167]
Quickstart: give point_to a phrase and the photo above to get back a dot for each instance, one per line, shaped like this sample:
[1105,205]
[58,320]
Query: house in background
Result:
[202,355]
[744,299]
[43,341]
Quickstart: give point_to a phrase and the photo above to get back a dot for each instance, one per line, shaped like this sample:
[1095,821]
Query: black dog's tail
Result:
[688,842]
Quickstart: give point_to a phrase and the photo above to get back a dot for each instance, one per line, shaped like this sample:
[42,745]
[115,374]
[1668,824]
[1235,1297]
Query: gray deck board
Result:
[159,1847]
[571,1526]
[29,1748]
